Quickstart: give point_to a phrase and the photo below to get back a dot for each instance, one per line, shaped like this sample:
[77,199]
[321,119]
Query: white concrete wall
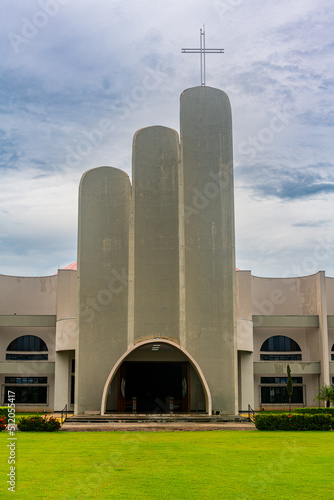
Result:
[274,296]
[28,295]
[330,295]
[66,336]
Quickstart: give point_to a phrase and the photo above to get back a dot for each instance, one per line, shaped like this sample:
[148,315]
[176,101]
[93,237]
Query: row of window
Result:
[26,357]
[281,380]
[35,345]
[279,344]
[26,380]
[280,357]
[38,394]
[27,394]
[278,394]
[26,390]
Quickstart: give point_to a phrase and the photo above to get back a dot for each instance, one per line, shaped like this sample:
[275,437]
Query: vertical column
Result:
[209,269]
[246,380]
[323,328]
[156,261]
[103,254]
[62,380]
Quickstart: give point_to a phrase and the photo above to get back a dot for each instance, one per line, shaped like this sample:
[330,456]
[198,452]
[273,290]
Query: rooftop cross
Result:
[202,51]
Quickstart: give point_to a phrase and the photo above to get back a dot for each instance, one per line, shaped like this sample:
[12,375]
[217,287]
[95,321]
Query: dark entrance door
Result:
[153,384]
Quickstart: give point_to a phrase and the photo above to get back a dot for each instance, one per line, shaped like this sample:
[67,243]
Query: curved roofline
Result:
[288,277]
[28,277]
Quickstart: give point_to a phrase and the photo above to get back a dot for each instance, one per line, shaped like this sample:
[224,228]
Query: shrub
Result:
[3,417]
[294,422]
[314,411]
[4,412]
[38,424]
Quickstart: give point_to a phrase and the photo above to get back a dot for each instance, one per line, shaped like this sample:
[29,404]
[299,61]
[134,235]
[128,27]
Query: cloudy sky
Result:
[70,67]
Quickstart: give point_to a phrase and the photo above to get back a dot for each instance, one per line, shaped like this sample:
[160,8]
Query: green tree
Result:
[326,394]
[289,386]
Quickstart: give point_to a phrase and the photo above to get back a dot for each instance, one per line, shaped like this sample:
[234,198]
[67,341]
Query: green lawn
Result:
[171,465]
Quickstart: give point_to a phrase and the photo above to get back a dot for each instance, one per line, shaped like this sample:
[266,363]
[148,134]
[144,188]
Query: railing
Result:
[63,416]
[250,413]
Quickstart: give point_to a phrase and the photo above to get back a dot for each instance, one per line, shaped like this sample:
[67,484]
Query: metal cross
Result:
[202,51]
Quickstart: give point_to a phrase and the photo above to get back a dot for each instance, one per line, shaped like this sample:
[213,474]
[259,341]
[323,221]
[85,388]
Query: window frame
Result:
[298,386]
[20,388]
[273,355]
[28,351]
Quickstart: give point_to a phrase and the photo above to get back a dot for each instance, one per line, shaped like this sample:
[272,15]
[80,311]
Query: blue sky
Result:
[79,77]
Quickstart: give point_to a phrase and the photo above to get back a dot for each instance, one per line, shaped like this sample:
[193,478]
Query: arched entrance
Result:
[156,376]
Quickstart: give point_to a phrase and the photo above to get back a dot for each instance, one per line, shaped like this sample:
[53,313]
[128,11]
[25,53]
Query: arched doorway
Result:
[156,376]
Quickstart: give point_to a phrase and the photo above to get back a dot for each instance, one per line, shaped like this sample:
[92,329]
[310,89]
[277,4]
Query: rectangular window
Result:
[279,395]
[26,357]
[280,357]
[280,380]
[27,394]
[26,380]
[72,389]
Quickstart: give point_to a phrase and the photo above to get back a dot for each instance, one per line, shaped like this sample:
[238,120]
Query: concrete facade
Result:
[156,318]
[265,308]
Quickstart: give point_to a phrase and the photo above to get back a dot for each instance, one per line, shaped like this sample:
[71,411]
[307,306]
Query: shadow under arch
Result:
[193,362]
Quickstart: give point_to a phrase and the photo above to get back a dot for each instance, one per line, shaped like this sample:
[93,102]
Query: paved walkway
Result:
[154,427]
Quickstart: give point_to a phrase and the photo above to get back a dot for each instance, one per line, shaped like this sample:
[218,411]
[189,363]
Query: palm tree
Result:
[326,394]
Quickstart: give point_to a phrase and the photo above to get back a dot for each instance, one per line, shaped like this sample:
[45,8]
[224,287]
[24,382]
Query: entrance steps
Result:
[153,418]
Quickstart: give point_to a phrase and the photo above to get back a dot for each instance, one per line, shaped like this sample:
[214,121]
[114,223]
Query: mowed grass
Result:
[171,465]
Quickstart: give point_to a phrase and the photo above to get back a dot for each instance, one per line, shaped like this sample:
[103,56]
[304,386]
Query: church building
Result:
[154,317]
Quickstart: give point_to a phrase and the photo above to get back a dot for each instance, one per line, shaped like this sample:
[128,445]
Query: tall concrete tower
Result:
[209,245]
[156,271]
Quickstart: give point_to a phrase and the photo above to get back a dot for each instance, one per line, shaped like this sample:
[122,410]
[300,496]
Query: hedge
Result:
[294,422]
[313,411]
[38,424]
